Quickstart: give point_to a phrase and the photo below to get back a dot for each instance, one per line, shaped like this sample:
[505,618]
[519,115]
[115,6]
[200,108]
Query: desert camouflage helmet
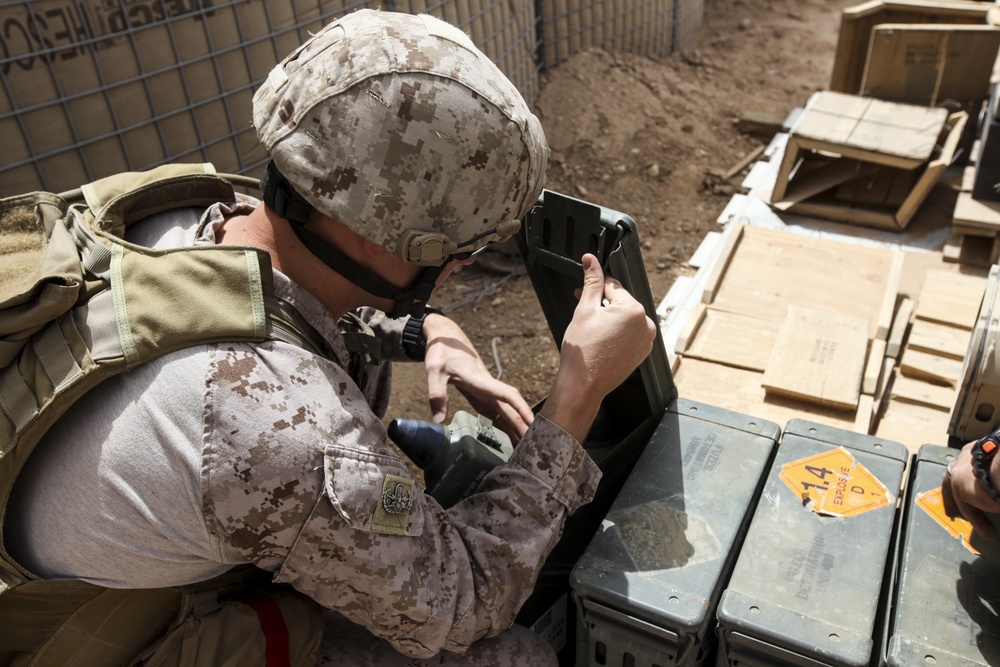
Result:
[400,128]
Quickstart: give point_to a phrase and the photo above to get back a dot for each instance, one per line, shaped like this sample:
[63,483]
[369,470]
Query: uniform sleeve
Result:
[388,330]
[390,558]
[319,498]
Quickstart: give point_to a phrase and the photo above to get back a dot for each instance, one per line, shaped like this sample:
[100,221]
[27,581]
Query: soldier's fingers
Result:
[948,495]
[980,522]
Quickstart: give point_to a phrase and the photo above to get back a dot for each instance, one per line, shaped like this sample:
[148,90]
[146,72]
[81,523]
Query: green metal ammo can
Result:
[647,585]
[807,584]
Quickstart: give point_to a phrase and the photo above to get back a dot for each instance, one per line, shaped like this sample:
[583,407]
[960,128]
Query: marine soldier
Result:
[398,151]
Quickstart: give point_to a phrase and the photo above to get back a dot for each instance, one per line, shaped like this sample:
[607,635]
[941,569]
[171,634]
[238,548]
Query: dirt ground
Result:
[651,138]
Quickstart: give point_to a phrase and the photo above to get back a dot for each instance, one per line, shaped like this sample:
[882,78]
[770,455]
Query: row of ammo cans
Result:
[738,545]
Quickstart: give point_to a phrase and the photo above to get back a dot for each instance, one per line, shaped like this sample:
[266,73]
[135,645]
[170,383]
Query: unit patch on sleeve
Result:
[394,506]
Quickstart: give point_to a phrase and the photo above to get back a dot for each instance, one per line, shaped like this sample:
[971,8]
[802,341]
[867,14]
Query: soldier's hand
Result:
[451,359]
[964,497]
[609,336]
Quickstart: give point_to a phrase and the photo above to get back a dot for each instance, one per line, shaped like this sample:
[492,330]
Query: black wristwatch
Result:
[982,456]
[414,342]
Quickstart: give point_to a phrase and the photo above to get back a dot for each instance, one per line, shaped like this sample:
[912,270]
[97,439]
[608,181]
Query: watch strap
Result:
[982,457]
[414,341]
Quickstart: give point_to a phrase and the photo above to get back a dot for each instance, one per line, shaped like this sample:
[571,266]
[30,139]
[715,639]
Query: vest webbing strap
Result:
[56,358]
[122,323]
[16,400]
[96,322]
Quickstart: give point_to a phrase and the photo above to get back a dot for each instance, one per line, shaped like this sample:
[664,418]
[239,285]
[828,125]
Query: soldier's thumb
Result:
[593,281]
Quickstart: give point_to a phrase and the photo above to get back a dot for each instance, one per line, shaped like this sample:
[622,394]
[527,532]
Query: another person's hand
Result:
[609,336]
[964,496]
[451,359]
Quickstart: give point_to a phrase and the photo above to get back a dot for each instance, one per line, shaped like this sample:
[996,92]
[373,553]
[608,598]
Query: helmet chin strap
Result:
[281,198]
[406,301]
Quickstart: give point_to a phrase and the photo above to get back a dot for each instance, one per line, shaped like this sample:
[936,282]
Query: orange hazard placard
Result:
[931,502]
[835,484]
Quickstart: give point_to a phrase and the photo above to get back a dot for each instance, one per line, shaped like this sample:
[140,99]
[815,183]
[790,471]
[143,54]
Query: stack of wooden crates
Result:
[859,330]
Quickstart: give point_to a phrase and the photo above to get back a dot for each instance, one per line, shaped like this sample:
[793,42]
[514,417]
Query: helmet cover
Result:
[398,127]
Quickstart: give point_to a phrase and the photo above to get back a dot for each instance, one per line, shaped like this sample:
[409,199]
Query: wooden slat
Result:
[932,174]
[900,326]
[930,367]
[884,379]
[882,396]
[731,240]
[911,390]
[913,425]
[789,159]
[884,321]
[819,356]
[707,250]
[824,177]
[940,339]
[983,233]
[732,339]
[952,249]
[951,298]
[873,367]
[690,329]
[976,214]
[740,390]
[969,173]
[762,123]
[852,46]
[878,218]
[744,162]
[864,414]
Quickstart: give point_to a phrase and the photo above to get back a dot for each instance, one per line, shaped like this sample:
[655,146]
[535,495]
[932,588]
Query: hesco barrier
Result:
[646,27]
[94,87]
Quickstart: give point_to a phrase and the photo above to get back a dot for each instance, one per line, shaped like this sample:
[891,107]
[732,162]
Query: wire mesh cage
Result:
[644,27]
[89,88]
[95,87]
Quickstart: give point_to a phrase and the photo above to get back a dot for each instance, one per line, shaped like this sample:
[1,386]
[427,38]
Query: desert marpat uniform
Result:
[239,453]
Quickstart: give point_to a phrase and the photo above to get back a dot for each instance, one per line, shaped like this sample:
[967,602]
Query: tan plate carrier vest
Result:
[79,304]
